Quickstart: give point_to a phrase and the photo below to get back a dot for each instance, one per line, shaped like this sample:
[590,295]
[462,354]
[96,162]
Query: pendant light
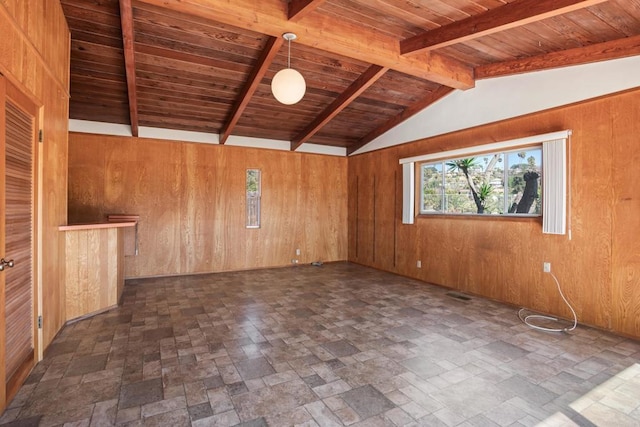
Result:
[288,85]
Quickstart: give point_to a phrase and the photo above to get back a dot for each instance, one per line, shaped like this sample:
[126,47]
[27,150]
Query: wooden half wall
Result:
[34,46]
[191,202]
[501,258]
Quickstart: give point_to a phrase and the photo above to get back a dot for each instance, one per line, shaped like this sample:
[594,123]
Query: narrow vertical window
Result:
[253,186]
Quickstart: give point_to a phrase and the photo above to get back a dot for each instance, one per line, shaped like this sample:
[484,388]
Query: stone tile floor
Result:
[334,345]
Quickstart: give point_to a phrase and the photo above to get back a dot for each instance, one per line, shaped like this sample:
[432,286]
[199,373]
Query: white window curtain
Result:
[554,187]
[408,193]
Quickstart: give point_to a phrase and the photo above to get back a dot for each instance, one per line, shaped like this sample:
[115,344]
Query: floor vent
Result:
[459,296]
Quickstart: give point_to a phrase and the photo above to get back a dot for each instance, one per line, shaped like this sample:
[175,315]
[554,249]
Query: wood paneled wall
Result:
[95,270]
[191,202]
[34,41]
[599,268]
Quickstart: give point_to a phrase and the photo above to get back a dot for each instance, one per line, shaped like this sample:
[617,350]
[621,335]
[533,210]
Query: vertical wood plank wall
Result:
[191,202]
[599,269]
[34,41]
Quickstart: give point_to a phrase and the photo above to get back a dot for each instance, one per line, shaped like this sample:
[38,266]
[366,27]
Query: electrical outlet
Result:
[546,267]
[297,251]
[419,264]
[294,261]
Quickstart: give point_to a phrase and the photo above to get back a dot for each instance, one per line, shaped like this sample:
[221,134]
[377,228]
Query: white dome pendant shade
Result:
[288,85]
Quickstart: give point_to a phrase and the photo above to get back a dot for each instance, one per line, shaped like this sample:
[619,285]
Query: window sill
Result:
[483,217]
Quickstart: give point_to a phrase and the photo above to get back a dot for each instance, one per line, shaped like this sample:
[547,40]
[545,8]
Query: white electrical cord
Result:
[527,319]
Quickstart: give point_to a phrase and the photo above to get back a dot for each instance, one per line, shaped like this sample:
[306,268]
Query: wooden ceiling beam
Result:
[325,33]
[621,48]
[298,9]
[362,83]
[126,19]
[407,113]
[266,57]
[511,15]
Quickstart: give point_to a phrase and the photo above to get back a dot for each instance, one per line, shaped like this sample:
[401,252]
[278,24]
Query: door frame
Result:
[25,102]
[3,120]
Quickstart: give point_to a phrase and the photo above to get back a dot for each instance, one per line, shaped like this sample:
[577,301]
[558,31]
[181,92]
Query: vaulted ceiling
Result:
[207,65]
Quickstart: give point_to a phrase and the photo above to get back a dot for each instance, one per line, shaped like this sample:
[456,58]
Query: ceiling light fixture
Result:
[288,85]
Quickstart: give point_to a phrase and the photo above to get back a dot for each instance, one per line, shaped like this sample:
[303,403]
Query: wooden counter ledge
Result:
[93,226]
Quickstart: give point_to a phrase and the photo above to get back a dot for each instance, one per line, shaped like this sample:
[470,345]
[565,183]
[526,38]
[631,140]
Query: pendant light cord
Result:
[289,55]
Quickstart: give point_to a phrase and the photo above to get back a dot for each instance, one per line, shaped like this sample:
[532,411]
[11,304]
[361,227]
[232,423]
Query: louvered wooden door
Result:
[17,225]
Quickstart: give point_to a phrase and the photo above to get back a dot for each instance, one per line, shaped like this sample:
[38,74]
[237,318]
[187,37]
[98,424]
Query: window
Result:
[495,183]
[253,190]
[444,187]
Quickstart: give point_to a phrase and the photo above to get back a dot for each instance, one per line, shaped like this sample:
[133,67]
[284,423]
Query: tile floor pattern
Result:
[334,345]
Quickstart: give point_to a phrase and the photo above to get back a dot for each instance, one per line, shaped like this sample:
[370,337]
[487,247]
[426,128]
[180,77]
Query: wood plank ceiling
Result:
[207,65]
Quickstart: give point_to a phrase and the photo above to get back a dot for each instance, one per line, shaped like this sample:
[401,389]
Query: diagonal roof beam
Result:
[407,113]
[362,83]
[298,9]
[326,33]
[511,15]
[266,57]
[126,20]
[621,48]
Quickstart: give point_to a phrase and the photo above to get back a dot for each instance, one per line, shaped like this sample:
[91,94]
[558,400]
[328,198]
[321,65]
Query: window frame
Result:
[504,153]
[250,199]
[556,210]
